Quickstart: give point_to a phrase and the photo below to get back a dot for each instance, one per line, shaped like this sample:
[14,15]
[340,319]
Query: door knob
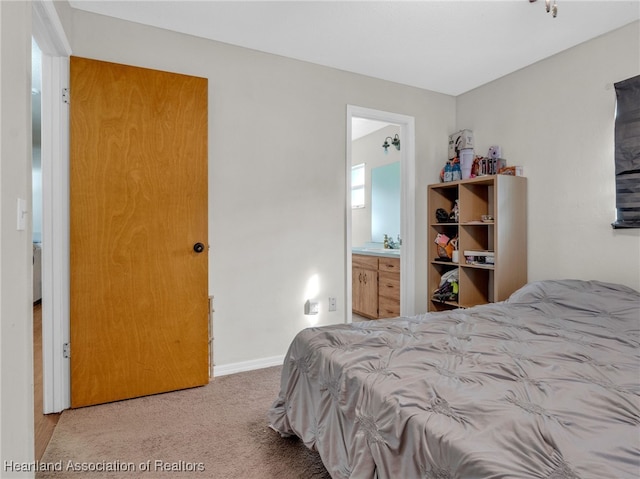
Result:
[198,247]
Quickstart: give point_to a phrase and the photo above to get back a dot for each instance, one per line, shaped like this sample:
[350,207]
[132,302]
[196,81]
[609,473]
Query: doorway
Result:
[44,424]
[406,126]
[55,50]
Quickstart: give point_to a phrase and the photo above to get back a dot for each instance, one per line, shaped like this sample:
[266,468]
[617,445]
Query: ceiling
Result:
[448,46]
[362,127]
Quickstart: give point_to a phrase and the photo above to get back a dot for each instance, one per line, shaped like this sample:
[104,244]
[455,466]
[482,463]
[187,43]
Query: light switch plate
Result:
[332,304]
[22,214]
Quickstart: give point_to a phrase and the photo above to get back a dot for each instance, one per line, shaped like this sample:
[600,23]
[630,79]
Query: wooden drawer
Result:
[388,308]
[364,261]
[389,285]
[389,264]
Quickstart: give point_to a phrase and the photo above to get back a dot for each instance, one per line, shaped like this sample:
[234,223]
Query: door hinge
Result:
[66,350]
[66,97]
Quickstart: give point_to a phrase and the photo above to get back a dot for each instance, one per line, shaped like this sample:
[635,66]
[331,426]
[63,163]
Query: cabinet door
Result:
[365,292]
[370,293]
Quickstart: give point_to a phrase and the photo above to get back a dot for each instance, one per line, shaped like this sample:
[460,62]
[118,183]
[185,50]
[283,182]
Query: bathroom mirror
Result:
[385,202]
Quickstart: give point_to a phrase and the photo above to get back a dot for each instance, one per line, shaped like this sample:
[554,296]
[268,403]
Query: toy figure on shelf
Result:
[456,212]
[475,168]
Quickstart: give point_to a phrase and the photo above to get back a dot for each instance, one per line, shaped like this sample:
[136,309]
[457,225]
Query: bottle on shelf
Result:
[456,172]
[448,172]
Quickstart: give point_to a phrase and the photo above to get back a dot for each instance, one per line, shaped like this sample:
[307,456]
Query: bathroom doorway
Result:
[368,127]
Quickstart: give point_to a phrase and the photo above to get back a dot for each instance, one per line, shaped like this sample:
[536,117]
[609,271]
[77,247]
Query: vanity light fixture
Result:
[395,141]
[553,8]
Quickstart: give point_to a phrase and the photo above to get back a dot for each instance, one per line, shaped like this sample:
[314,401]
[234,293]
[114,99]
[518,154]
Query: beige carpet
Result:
[216,431]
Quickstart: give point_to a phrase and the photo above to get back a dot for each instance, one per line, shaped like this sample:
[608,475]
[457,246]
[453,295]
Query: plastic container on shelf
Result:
[456,174]
[448,173]
[466,162]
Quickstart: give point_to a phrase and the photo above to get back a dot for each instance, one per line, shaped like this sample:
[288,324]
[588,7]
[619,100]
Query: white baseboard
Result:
[233,368]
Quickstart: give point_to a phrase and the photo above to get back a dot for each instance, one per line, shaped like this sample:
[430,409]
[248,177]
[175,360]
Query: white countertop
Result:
[388,253]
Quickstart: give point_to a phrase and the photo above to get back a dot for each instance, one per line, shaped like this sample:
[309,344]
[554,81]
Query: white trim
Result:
[48,33]
[408,206]
[348,315]
[47,29]
[243,366]
[55,232]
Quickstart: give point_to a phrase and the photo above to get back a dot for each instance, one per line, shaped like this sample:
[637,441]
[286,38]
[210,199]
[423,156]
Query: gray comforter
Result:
[543,385]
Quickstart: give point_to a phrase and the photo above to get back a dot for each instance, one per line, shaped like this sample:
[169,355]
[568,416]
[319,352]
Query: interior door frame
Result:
[56,50]
[407,205]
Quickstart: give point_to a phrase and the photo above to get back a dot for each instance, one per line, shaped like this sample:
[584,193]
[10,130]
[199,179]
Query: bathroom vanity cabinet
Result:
[375,283]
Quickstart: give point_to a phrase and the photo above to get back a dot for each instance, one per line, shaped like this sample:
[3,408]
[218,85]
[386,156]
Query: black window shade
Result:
[627,153]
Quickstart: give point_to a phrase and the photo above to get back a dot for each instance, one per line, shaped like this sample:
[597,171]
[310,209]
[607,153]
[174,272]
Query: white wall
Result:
[368,150]
[277,155]
[16,322]
[556,118]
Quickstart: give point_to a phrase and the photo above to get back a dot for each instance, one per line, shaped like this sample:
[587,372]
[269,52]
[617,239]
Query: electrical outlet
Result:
[332,304]
[311,307]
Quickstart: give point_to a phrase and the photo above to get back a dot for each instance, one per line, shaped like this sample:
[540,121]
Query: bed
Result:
[543,385]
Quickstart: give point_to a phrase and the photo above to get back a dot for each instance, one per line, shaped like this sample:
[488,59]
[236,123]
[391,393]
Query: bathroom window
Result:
[357,186]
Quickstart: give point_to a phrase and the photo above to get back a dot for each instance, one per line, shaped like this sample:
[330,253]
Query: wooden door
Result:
[138,205]
[364,287]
